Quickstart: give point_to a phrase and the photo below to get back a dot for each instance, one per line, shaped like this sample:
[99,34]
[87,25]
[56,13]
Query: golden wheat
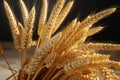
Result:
[24,11]
[47,32]
[63,15]
[94,30]
[13,24]
[43,17]
[65,55]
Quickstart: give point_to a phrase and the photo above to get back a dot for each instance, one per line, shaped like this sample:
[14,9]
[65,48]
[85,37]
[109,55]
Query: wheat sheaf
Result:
[64,55]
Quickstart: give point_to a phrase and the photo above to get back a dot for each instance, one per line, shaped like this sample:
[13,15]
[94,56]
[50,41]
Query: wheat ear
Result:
[94,30]
[99,46]
[88,22]
[108,74]
[43,17]
[94,60]
[63,15]
[47,31]
[20,27]
[80,34]
[26,39]
[24,11]
[41,54]
[92,19]
[30,23]
[67,31]
[13,24]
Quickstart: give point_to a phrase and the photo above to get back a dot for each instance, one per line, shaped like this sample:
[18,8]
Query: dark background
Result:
[111,33]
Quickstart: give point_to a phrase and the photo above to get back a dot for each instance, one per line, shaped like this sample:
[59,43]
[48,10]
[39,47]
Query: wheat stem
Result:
[20,55]
[28,78]
[57,74]
[9,67]
[36,73]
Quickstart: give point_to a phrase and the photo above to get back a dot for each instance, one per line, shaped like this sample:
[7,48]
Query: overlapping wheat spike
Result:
[65,55]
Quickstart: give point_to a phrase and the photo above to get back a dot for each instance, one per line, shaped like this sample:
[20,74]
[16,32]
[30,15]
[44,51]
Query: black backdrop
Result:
[81,7]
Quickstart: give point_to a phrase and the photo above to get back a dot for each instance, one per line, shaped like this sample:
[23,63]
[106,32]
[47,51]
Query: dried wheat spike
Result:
[24,11]
[47,31]
[13,24]
[94,30]
[41,54]
[43,17]
[26,38]
[62,15]
[91,19]
[21,29]
[100,46]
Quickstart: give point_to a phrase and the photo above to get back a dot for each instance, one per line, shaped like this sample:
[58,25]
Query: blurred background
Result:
[82,8]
